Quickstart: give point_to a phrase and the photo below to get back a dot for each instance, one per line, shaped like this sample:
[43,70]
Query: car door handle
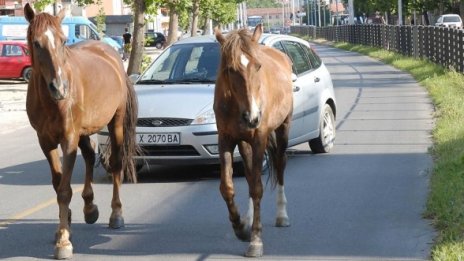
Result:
[317,79]
[296,88]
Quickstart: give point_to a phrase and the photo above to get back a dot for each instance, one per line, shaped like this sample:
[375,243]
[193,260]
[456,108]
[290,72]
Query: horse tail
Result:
[271,156]
[130,146]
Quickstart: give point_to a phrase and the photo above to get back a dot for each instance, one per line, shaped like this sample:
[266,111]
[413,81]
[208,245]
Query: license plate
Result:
[158,138]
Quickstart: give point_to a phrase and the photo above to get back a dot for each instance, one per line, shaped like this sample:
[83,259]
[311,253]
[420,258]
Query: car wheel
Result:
[27,73]
[159,45]
[324,143]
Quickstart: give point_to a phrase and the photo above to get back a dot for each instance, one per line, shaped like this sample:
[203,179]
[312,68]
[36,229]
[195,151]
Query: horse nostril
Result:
[246,116]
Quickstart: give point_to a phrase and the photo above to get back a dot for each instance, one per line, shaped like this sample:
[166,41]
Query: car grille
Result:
[184,150]
[163,122]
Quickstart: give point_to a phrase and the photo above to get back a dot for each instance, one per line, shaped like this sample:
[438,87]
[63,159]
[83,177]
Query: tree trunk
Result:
[461,9]
[195,13]
[136,56]
[173,25]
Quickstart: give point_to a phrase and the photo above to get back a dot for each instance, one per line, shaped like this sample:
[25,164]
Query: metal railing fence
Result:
[441,45]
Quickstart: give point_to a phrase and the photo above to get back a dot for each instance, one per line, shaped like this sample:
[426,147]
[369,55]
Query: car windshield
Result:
[184,63]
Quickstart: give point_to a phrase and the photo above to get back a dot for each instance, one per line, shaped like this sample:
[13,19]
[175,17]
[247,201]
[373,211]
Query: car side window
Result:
[280,47]
[11,50]
[298,56]
[84,32]
[313,57]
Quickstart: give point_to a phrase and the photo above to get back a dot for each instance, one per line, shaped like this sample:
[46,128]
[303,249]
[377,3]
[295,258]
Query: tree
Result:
[136,56]
[263,3]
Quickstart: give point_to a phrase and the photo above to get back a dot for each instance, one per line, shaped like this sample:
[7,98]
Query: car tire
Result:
[27,73]
[325,142]
[159,45]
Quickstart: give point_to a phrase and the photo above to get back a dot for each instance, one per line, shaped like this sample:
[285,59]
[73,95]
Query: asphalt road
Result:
[363,201]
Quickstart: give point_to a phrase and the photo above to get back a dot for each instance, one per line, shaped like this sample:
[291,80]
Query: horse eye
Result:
[36,44]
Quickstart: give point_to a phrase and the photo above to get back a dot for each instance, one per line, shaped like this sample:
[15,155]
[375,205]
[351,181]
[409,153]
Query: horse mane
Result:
[41,22]
[236,43]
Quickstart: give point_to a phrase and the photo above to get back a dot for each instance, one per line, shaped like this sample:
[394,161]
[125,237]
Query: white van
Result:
[76,29]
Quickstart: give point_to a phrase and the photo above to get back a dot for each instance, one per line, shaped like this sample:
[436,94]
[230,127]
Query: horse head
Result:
[240,67]
[46,42]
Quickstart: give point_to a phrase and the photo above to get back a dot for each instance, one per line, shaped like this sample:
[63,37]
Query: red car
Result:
[15,61]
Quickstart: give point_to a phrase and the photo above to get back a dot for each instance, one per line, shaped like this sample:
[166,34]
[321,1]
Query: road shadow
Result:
[340,205]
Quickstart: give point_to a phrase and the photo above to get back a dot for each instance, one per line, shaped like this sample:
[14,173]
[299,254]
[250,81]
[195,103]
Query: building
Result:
[12,7]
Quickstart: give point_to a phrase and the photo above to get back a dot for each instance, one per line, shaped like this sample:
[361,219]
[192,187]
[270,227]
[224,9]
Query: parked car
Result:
[155,39]
[176,123]
[449,20]
[15,61]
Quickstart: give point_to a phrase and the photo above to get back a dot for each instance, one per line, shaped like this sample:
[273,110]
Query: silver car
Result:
[176,123]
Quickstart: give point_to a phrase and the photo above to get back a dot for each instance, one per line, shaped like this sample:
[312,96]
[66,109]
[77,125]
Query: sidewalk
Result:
[13,106]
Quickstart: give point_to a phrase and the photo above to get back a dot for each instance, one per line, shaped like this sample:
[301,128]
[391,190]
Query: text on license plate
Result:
[158,138]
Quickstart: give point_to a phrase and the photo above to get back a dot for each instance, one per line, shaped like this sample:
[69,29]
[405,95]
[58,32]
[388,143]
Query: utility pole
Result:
[351,12]
[400,12]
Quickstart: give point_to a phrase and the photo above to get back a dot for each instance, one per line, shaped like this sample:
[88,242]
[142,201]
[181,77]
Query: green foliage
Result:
[262,3]
[145,62]
[100,17]
[41,4]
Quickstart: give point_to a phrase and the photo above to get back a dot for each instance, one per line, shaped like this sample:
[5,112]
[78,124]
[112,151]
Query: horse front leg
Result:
[51,153]
[226,148]
[88,153]
[63,246]
[247,158]
[53,158]
[255,248]
[116,136]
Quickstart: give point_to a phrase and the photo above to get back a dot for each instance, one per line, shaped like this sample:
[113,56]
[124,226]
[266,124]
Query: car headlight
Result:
[207,117]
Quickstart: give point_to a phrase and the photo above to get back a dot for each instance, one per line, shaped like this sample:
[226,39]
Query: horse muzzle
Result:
[252,121]
[58,89]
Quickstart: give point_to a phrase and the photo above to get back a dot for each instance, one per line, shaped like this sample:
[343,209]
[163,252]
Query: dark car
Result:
[155,39]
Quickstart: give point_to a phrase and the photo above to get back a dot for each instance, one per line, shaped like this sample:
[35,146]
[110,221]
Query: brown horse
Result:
[253,104]
[74,92]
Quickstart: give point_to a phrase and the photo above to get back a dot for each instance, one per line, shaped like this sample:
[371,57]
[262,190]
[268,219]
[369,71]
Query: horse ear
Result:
[29,12]
[61,14]
[257,33]
[219,37]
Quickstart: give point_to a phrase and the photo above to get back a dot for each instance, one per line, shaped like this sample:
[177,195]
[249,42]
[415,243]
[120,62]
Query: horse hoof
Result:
[255,250]
[64,252]
[116,222]
[92,215]
[282,222]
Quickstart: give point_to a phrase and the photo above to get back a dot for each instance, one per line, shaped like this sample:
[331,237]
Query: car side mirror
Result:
[133,78]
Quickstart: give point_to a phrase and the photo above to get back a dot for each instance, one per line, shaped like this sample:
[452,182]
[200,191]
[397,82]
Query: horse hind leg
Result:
[282,219]
[116,133]
[87,147]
